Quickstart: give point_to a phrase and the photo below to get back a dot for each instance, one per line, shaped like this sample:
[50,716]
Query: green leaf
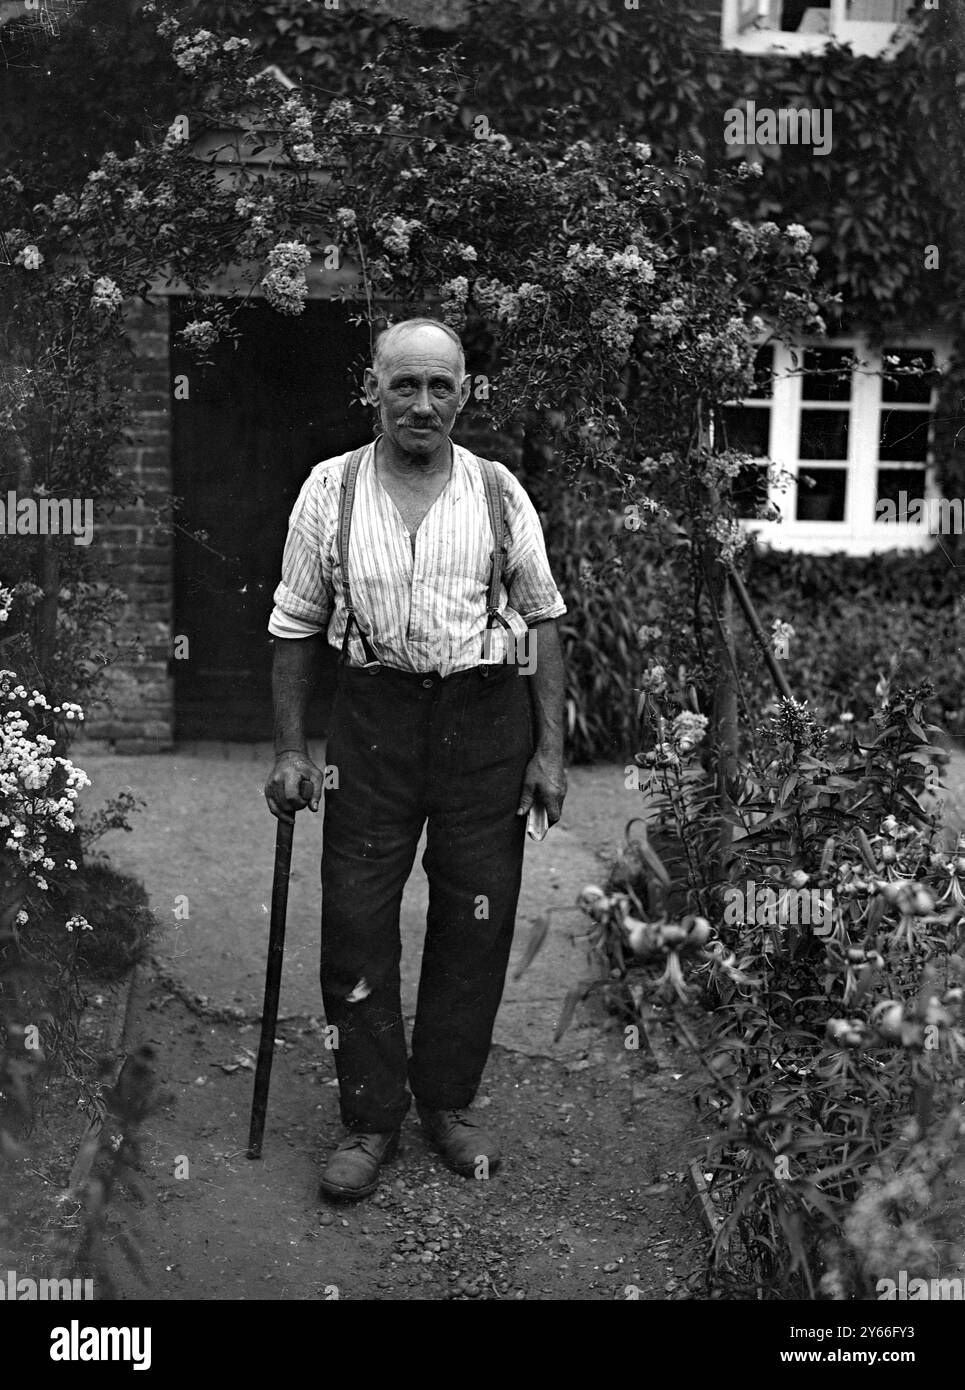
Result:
[573,997]
[537,935]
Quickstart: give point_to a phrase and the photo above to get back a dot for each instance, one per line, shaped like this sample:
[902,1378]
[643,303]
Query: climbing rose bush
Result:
[39,788]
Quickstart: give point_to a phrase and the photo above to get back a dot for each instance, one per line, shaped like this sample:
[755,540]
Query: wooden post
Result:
[726,729]
[725,735]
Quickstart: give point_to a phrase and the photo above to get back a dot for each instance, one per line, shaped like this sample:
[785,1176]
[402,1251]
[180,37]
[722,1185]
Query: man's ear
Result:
[464,390]
[371,383]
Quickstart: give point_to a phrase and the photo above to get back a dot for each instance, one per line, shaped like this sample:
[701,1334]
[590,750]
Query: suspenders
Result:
[346,499]
[494,501]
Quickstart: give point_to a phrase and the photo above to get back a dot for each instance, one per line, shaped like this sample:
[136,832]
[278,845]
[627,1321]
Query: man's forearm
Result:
[293,676]
[548,687]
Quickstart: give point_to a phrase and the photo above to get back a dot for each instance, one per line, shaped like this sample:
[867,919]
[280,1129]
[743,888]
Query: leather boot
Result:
[353,1169]
[460,1140]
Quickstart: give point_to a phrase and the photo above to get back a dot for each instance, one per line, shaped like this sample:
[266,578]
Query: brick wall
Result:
[138,715]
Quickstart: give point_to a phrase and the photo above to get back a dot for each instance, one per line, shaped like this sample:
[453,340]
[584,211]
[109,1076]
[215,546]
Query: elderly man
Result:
[390,558]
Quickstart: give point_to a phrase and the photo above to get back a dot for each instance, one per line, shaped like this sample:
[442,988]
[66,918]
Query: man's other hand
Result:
[544,783]
[295,782]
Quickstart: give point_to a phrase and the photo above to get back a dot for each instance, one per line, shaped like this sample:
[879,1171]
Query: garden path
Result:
[593,1199]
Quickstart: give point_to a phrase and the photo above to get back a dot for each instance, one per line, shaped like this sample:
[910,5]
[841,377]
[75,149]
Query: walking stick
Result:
[269,1013]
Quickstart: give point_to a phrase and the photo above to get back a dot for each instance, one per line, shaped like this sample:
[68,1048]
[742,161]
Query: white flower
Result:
[655,680]
[106,297]
[192,51]
[346,219]
[687,730]
[199,335]
[456,289]
[396,234]
[30,257]
[800,236]
[630,262]
[176,134]
[286,288]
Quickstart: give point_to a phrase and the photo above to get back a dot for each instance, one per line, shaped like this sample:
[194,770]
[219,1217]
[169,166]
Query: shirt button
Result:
[427,685]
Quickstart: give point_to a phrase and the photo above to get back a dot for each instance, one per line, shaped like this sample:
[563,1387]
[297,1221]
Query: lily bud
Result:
[887,1017]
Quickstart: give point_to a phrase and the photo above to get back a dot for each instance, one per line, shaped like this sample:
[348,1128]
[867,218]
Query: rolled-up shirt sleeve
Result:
[303,598]
[529,580]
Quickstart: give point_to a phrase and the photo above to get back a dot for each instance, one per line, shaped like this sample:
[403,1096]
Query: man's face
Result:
[418,391]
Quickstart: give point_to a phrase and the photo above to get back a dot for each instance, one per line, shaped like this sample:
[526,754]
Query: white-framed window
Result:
[797,26]
[850,426]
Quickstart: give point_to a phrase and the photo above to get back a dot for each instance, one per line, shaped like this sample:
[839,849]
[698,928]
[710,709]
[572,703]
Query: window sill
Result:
[834,537]
[868,39]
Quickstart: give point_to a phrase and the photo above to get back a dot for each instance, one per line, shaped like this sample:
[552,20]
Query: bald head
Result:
[418,384]
[424,329]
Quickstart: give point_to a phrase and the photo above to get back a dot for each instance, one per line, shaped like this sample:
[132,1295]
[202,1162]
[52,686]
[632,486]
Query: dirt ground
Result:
[592,1200]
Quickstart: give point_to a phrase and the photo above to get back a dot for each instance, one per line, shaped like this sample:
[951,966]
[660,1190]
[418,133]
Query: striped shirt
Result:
[423,607]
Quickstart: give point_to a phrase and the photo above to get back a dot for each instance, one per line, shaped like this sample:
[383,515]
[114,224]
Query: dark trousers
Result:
[412,749]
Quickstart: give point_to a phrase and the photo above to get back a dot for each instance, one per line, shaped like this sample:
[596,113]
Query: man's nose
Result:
[422,404]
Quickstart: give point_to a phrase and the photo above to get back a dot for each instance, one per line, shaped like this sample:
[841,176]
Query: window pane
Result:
[824,434]
[763,375]
[881,11]
[800,16]
[746,427]
[892,482]
[902,378]
[904,436]
[827,374]
[824,500]
[750,490]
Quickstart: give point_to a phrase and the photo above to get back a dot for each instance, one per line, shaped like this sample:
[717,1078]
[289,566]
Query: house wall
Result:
[139,713]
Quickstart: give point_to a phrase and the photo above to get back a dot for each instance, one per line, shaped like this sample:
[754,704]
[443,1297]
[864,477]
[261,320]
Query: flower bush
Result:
[39,789]
[827,940]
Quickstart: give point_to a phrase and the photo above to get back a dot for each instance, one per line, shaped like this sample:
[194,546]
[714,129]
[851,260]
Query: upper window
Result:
[763,26]
[850,428]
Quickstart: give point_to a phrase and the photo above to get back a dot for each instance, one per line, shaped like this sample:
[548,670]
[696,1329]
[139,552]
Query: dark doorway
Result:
[255,423]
